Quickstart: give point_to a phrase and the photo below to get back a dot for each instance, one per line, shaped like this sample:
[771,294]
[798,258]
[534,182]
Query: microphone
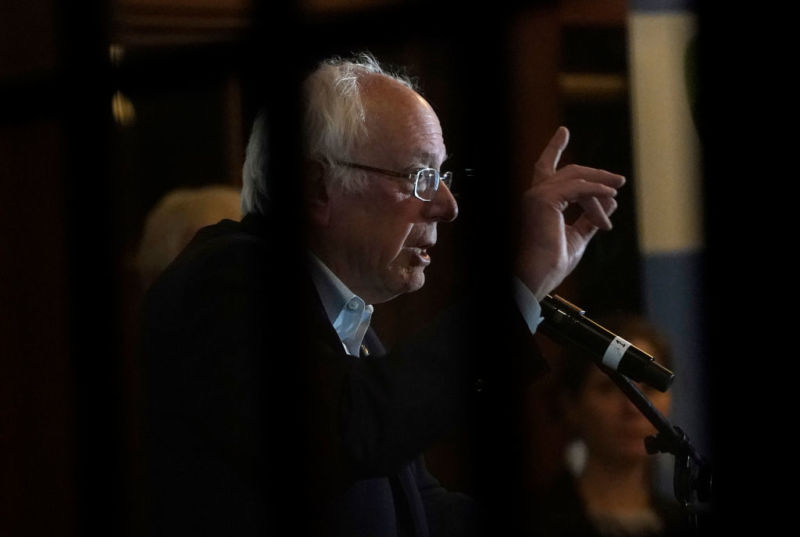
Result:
[564,321]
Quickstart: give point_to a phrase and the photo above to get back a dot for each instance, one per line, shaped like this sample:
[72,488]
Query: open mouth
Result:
[421,255]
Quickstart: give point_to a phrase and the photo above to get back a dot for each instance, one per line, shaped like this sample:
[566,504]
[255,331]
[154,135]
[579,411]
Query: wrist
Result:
[540,281]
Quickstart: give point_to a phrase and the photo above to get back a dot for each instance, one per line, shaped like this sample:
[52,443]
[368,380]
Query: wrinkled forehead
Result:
[401,124]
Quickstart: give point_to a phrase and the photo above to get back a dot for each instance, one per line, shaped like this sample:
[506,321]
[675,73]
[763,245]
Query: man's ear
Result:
[316,198]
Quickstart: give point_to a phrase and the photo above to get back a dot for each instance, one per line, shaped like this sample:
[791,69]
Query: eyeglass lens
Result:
[428,182]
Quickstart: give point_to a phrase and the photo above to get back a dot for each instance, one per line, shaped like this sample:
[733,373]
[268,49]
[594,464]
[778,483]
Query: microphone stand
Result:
[692,480]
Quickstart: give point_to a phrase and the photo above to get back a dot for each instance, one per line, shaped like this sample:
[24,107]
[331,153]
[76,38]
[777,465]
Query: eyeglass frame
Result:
[446,177]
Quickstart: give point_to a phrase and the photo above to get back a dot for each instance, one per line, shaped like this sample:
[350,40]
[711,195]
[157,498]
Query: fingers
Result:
[596,212]
[591,188]
[546,167]
[574,191]
[595,199]
[576,171]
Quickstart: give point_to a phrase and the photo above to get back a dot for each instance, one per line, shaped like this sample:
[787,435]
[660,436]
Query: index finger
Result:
[595,175]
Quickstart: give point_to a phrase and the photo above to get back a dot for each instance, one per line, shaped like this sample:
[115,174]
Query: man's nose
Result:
[443,207]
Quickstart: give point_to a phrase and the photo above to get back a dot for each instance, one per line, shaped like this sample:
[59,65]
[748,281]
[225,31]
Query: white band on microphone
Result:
[616,349]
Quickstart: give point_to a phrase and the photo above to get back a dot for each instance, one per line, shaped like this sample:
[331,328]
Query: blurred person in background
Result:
[607,486]
[174,220]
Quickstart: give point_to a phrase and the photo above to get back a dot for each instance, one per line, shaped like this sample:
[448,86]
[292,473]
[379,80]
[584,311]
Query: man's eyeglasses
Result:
[426,180]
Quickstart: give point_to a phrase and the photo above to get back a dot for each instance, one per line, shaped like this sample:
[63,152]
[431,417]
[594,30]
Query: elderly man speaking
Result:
[272,407]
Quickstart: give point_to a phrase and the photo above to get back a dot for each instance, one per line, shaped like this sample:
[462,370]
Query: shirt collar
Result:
[346,311]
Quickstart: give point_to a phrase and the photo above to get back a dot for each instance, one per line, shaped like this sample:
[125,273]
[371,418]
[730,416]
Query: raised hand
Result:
[551,248]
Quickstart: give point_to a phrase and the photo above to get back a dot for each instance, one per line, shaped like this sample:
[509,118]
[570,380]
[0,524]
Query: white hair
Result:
[255,191]
[334,122]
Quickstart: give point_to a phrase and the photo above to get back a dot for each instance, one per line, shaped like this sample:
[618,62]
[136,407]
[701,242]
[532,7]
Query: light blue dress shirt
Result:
[528,305]
[347,312]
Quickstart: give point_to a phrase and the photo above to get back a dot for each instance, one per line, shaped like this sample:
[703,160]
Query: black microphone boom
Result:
[564,321]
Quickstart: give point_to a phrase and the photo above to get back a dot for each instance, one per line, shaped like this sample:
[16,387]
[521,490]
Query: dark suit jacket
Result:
[257,420]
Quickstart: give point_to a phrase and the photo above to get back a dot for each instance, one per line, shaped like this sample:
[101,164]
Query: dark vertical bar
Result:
[481,76]
[274,71]
[85,99]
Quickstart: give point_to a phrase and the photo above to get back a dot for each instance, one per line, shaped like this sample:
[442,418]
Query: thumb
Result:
[548,160]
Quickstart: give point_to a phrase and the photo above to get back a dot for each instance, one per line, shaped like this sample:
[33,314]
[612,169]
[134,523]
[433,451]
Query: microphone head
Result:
[657,376]
[567,324]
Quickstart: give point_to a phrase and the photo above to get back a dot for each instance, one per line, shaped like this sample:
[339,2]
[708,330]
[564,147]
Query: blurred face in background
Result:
[610,425]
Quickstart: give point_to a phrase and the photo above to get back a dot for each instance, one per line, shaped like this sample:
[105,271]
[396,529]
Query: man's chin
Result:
[409,282]
[416,279]
[417,284]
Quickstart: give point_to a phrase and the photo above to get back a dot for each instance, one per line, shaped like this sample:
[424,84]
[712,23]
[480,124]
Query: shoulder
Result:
[226,244]
[252,252]
[232,274]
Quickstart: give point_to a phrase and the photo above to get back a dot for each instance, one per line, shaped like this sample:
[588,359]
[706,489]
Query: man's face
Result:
[378,240]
